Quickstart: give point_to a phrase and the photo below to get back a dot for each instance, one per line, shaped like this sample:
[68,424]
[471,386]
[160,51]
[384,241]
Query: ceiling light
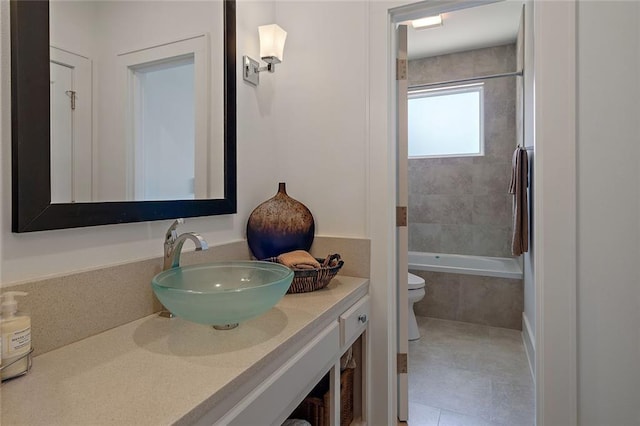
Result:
[428,22]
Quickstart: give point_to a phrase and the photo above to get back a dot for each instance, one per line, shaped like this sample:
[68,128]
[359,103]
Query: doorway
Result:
[467,215]
[71,104]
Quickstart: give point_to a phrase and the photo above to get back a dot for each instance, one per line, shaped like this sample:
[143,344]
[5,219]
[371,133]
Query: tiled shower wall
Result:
[461,205]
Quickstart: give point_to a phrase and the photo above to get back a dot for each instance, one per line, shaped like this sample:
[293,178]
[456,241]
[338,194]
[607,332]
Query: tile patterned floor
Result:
[464,374]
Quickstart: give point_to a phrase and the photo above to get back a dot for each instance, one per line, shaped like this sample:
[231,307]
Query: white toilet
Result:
[416,293]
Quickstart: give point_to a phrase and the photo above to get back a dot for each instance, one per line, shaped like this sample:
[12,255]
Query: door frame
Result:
[83,138]
[129,62]
[402,231]
[554,169]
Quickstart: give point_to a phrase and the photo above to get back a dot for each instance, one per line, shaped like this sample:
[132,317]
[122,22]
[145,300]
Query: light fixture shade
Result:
[272,39]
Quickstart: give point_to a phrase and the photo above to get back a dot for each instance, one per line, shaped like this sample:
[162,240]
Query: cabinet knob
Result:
[362,318]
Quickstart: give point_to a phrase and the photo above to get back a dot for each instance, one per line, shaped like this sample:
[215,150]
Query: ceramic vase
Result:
[279,225]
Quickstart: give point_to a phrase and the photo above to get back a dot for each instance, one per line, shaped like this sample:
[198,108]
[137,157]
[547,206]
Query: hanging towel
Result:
[518,187]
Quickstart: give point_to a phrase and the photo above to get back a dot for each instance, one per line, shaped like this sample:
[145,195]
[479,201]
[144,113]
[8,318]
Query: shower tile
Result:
[441,68]
[418,164]
[492,209]
[492,98]
[491,178]
[457,239]
[424,237]
[457,65]
[498,302]
[442,296]
[501,98]
[494,60]
[442,209]
[418,211]
[419,175]
[491,240]
[422,178]
[452,180]
[426,209]
[499,140]
[452,161]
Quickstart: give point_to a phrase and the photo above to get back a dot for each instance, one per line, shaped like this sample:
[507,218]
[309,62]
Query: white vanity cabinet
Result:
[272,401]
[159,371]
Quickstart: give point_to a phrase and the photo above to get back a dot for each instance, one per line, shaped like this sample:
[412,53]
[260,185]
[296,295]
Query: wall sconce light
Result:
[272,39]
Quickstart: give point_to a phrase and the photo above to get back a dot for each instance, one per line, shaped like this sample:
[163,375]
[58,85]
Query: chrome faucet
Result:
[173,248]
[173,244]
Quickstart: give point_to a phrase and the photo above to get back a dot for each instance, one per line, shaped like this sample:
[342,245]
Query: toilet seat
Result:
[415,282]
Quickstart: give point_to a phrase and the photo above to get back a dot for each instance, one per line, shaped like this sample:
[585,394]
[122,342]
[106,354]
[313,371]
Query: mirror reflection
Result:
[136,100]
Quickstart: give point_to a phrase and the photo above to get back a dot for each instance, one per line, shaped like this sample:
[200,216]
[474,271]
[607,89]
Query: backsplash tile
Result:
[69,308]
[72,307]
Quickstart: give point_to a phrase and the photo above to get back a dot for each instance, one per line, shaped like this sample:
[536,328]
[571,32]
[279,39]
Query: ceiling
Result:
[473,28]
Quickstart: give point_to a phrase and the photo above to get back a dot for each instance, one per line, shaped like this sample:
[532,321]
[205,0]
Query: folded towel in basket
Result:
[298,259]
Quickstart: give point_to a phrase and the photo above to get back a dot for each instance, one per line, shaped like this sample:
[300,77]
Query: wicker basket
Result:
[346,400]
[305,280]
[317,410]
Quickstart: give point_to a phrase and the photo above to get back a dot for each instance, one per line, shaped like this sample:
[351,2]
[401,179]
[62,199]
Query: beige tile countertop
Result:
[157,371]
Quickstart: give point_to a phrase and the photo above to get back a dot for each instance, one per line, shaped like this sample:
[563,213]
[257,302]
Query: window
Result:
[446,122]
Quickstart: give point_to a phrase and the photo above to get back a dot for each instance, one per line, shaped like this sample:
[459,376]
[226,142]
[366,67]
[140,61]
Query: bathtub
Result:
[501,267]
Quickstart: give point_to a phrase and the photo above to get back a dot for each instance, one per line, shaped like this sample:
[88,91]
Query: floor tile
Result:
[423,415]
[473,374]
[453,389]
[512,405]
[451,418]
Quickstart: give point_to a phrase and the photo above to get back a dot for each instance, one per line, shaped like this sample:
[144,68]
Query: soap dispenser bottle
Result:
[16,337]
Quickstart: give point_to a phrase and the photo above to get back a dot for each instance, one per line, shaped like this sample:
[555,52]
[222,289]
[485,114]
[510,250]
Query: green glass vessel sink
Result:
[222,294]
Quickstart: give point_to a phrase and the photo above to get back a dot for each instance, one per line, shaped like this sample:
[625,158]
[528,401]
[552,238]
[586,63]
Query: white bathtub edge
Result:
[516,274]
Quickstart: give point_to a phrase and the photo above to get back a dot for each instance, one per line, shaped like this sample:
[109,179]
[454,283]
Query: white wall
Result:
[70,18]
[320,102]
[608,182]
[300,155]
[332,102]
[608,213]
[38,254]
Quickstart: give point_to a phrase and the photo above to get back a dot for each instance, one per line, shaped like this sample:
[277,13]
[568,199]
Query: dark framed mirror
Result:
[32,208]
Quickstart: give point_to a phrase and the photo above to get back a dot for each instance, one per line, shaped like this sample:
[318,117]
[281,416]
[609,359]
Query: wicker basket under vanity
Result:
[317,409]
